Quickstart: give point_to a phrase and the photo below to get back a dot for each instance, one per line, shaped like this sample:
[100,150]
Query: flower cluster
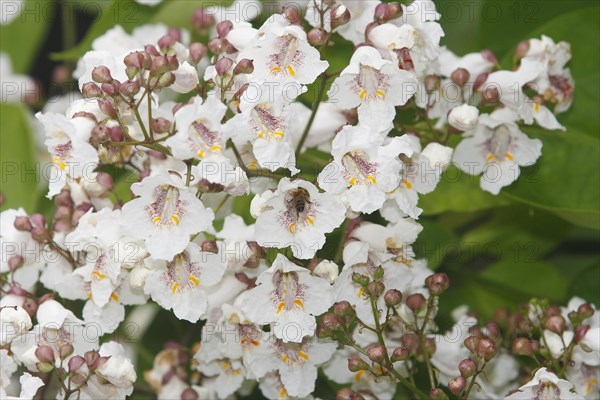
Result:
[229,225]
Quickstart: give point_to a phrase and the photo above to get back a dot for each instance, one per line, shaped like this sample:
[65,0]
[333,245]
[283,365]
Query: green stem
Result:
[315,107]
[472,383]
[421,334]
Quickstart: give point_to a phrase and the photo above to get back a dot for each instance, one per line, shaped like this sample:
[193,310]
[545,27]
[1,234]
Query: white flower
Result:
[179,284]
[464,117]
[72,155]
[228,376]
[363,167]
[266,121]
[298,216]
[186,78]
[15,87]
[327,269]
[287,297]
[283,54]
[557,344]
[497,148]
[165,214]
[14,321]
[421,173]
[545,385]
[296,363]
[375,86]
[509,85]
[29,387]
[118,369]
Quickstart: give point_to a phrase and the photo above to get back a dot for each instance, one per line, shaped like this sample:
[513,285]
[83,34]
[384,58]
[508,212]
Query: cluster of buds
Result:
[47,356]
[220,45]
[36,225]
[336,321]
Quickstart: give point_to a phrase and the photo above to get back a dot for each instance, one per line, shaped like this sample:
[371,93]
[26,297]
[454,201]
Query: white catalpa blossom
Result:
[296,363]
[179,284]
[545,385]
[288,297]
[375,86]
[71,154]
[165,214]
[298,216]
[364,168]
[14,322]
[497,149]
[266,121]
[421,173]
[283,54]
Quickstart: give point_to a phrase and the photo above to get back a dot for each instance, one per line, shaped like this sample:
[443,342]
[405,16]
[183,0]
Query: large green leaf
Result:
[22,38]
[458,191]
[17,157]
[565,179]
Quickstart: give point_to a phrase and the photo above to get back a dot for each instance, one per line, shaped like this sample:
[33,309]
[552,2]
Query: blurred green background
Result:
[539,237]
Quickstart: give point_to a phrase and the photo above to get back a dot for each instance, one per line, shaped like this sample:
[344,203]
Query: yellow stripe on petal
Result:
[291,70]
[362,94]
[156,220]
[372,179]
[280,307]
[509,156]
[536,107]
[114,296]
[99,275]
[309,220]
[352,181]
[261,134]
[381,94]
[299,303]
[279,134]
[175,219]
[275,70]
[216,147]
[285,358]
[303,355]
[283,393]
[360,293]
[201,154]
[292,228]
[407,183]
[358,374]
[194,280]
[490,157]
[175,287]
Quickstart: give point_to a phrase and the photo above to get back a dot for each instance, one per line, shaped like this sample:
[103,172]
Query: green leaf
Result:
[435,243]
[565,179]
[22,38]
[19,166]
[458,191]
[126,13]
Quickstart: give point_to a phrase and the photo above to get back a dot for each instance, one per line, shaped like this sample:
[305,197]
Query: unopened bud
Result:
[344,309]
[437,283]
[432,83]
[202,21]
[101,74]
[223,28]
[107,108]
[392,297]
[556,324]
[348,394]
[134,60]
[218,45]
[375,289]
[210,246]
[580,333]
[160,65]
[467,367]
[90,90]
[166,80]
[65,350]
[318,36]
[189,394]
[45,354]
[30,306]
[471,343]
[223,65]
[437,394]
[129,88]
[91,357]
[161,125]
[166,42]
[489,55]
[38,220]
[376,353]
[290,12]
[522,49]
[400,354]
[22,224]
[332,322]
[457,385]
[522,347]
[460,76]
[490,95]
[362,280]
[41,234]
[339,16]
[109,89]
[411,342]
[463,118]
[429,346]
[198,51]
[480,80]
[15,262]
[44,367]
[585,311]
[356,364]
[416,302]
[388,11]
[75,363]
[486,349]
[64,199]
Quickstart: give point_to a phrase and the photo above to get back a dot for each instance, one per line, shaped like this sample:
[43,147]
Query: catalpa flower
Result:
[420,175]
[363,167]
[297,215]
[179,284]
[497,149]
[546,385]
[265,121]
[288,297]
[282,53]
[296,363]
[71,154]
[375,86]
[165,214]
[225,376]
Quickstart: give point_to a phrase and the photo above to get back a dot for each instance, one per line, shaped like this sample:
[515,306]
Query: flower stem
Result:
[315,107]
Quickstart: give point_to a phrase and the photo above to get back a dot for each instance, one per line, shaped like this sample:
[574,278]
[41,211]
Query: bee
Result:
[299,200]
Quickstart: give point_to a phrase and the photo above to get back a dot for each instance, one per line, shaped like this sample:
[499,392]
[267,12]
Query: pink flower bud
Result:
[15,262]
[339,16]
[134,60]
[586,311]
[356,364]
[416,302]
[166,80]
[38,220]
[17,291]
[130,88]
[202,21]
[41,234]
[460,76]
[223,65]
[210,246]
[101,74]
[107,108]
[348,394]
[90,90]
[486,349]
[292,14]
[244,66]
[105,180]
[388,11]
[75,363]
[167,41]
[109,89]
[457,385]
[65,350]
[437,394]
[198,51]
[160,65]
[437,283]
[45,354]
[410,341]
[318,36]
[400,354]
[189,394]
[489,55]
[30,306]
[22,224]
[556,324]
[332,322]
[467,367]
[392,297]
[471,343]
[375,289]
[344,309]
[432,83]
[217,45]
[223,28]
[522,49]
